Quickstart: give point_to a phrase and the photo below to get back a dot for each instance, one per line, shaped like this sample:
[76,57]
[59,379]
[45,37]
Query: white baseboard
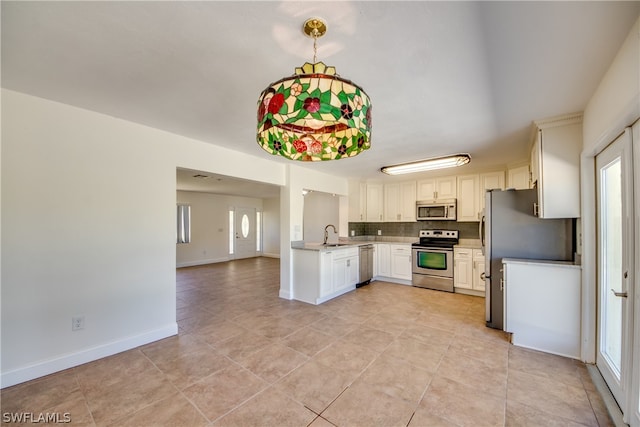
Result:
[201,262]
[67,361]
[392,280]
[271,255]
[285,294]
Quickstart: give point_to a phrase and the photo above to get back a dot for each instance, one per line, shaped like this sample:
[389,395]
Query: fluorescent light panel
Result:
[428,164]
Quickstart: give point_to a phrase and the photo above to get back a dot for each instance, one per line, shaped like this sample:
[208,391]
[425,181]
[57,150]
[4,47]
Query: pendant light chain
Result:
[315,45]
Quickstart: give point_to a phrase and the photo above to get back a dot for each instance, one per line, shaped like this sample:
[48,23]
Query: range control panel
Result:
[449,234]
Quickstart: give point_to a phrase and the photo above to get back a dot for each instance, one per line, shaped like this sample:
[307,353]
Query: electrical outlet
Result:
[77,323]
[379,232]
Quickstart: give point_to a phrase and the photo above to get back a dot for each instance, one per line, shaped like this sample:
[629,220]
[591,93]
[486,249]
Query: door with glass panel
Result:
[245,233]
[614,251]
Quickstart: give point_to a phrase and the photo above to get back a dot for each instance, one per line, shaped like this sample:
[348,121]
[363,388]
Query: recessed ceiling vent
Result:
[200,176]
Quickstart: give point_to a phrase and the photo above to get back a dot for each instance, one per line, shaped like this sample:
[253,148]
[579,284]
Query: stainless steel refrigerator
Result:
[510,230]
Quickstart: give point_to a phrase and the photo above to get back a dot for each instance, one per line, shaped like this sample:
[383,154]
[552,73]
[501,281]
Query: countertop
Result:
[565,264]
[351,243]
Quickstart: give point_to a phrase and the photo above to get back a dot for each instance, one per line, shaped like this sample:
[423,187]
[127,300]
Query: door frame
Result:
[586,240]
[634,395]
[620,389]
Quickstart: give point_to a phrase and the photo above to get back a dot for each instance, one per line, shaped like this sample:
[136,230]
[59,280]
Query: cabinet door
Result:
[375,260]
[392,202]
[462,268]
[384,259]
[357,201]
[468,198]
[559,179]
[401,262]
[326,273]
[518,178]
[478,269]
[426,189]
[353,271]
[446,188]
[489,181]
[375,202]
[339,273]
[535,162]
[408,201]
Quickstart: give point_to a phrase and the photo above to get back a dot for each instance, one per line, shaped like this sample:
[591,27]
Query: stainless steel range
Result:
[432,259]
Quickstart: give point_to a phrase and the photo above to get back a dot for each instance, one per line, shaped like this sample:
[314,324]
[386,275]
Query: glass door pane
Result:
[611,263]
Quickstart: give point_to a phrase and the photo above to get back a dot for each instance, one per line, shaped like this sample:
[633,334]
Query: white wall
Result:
[614,106]
[88,228]
[271,227]
[616,101]
[209,226]
[320,209]
[291,211]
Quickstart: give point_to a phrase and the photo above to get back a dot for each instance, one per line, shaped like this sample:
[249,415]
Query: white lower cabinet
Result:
[401,262]
[383,252]
[542,305]
[468,266]
[319,276]
[394,262]
[478,270]
[345,266]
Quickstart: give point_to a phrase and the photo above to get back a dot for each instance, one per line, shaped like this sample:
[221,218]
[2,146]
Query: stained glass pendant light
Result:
[314,114]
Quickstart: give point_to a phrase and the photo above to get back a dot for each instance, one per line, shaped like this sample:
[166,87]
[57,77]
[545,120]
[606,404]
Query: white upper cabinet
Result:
[555,166]
[375,202]
[489,181]
[400,202]
[518,178]
[357,201]
[468,195]
[437,188]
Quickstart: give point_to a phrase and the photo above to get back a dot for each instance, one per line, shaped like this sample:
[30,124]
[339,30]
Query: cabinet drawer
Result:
[345,253]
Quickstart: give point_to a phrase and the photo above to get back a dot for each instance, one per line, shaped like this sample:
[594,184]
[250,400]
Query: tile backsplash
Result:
[467,230]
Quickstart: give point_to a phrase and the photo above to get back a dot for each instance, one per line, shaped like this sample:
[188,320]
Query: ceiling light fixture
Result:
[427,164]
[314,114]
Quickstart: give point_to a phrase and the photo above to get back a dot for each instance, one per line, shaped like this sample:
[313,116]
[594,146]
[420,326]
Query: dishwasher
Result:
[366,265]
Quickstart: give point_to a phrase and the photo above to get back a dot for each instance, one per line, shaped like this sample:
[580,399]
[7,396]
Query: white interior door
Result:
[245,232]
[614,220]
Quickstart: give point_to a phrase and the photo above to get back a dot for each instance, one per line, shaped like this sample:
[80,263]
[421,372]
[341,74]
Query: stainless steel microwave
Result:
[439,210]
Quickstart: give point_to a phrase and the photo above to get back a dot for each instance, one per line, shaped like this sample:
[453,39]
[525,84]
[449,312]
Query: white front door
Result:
[614,251]
[245,233]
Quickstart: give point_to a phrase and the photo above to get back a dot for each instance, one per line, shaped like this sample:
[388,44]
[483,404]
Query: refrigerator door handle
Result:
[481,231]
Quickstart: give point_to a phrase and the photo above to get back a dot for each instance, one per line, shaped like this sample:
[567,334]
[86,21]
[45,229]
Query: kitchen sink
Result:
[334,245]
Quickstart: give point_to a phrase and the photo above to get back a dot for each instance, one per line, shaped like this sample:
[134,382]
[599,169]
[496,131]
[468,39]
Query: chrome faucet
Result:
[326,233]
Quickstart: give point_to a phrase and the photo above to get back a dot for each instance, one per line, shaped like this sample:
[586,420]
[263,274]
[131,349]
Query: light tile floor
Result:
[383,355]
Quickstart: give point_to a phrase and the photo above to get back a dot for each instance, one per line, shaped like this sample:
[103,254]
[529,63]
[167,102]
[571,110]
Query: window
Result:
[183,234]
[258,231]
[231,230]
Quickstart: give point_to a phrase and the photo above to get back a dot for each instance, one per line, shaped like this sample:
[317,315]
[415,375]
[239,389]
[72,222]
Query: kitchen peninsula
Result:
[323,272]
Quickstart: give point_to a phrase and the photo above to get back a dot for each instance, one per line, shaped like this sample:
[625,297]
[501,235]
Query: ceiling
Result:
[443,77]
[206,182]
